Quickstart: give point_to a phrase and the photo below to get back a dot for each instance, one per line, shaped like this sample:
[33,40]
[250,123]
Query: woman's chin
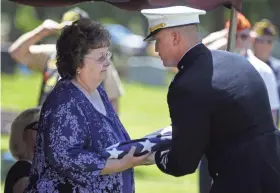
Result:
[102,76]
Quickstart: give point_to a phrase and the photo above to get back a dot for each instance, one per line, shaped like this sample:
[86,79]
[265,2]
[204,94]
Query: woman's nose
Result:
[107,62]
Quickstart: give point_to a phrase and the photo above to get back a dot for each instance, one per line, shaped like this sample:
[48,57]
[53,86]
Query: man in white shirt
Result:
[270,81]
[264,35]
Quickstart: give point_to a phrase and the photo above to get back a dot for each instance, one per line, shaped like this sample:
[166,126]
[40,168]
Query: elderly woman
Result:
[22,141]
[77,121]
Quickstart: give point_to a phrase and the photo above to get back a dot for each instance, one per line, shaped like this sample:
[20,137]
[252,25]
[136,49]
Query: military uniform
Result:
[269,73]
[218,40]
[219,107]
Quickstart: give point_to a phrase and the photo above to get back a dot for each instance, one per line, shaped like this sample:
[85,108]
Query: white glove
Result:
[150,160]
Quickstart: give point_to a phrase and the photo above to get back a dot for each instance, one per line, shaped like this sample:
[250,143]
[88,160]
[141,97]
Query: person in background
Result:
[264,35]
[43,57]
[78,122]
[218,40]
[22,141]
[244,43]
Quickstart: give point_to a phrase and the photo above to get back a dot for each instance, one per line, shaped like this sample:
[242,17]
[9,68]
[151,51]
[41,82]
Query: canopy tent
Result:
[137,5]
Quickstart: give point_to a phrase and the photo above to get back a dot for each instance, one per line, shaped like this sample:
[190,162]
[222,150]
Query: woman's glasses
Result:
[103,58]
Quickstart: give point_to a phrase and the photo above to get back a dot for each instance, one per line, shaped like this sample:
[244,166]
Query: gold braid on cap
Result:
[158,26]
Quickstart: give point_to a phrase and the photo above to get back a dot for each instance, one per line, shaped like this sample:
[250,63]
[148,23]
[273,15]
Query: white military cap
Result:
[161,18]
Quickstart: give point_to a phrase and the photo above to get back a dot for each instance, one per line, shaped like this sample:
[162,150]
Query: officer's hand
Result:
[150,160]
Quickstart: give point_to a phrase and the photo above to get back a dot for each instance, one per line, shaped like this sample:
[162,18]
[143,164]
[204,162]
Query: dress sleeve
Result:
[66,138]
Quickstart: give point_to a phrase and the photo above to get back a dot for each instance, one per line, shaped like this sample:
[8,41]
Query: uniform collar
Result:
[190,55]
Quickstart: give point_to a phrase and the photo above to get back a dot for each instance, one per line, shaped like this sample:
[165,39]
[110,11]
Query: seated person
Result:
[22,141]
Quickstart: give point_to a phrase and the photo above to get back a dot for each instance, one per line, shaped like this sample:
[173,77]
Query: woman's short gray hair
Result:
[17,144]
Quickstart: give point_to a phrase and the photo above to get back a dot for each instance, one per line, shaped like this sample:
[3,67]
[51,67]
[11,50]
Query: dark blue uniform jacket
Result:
[219,106]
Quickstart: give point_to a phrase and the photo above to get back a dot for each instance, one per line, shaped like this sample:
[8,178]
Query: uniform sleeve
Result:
[112,83]
[190,135]
[272,89]
[66,139]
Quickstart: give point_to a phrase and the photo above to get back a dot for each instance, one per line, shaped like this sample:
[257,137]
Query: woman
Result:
[22,141]
[77,121]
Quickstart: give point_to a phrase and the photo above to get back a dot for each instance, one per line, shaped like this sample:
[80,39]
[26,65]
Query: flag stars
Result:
[147,146]
[114,153]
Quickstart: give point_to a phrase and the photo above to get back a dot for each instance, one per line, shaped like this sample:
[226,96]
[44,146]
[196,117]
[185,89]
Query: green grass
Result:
[4,143]
[143,109]
[19,92]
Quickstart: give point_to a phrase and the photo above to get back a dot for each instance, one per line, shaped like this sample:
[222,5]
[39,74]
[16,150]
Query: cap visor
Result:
[150,37]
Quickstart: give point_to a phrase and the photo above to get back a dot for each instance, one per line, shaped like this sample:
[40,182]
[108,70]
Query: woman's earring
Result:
[78,71]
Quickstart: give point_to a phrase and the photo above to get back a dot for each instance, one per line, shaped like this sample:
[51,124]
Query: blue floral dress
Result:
[71,135]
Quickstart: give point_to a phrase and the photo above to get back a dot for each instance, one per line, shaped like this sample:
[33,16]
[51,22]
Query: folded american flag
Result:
[157,141]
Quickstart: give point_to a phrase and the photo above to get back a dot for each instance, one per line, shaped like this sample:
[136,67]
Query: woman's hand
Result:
[128,161]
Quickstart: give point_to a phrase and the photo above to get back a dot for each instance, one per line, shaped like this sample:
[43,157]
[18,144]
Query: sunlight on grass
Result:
[19,92]
[5,143]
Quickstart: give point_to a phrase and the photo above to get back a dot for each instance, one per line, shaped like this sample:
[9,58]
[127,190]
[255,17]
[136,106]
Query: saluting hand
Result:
[50,27]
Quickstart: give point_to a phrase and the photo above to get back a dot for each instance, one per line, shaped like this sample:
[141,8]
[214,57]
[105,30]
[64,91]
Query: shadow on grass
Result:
[140,174]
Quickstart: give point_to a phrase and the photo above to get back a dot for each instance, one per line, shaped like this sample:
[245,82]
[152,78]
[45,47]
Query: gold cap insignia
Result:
[156,27]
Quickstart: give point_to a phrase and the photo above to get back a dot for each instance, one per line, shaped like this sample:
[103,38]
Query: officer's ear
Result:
[175,34]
